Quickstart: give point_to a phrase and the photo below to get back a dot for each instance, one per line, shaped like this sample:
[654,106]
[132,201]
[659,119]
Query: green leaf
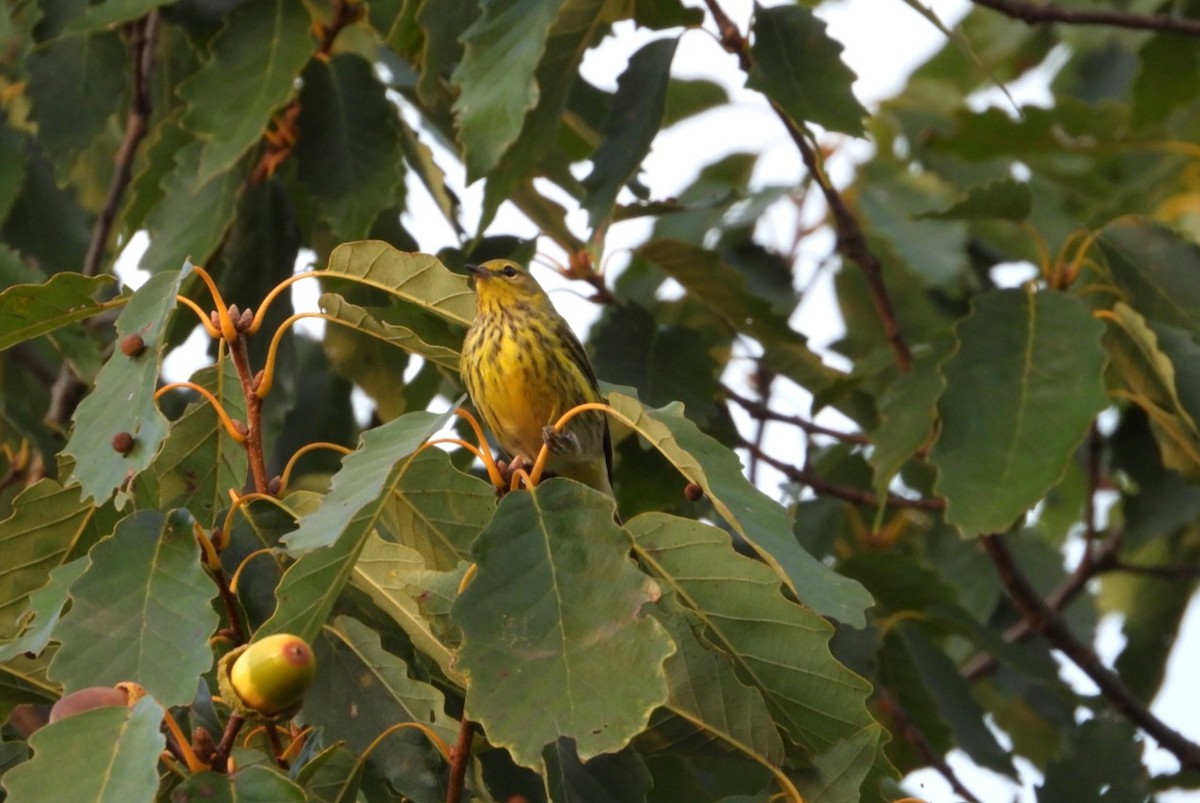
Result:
[554,640]
[708,704]
[721,288]
[47,523]
[109,12]
[140,612]
[31,310]
[1021,391]
[760,521]
[1003,199]
[402,326]
[387,572]
[76,83]
[496,77]
[838,773]
[907,415]
[192,216]
[1155,268]
[44,611]
[112,753]
[1152,376]
[1103,753]
[777,646]
[633,121]
[13,151]
[689,97]
[608,778]
[369,475]
[799,68]
[123,398]
[419,279]
[361,690]
[251,784]
[333,536]
[199,462]
[349,150]
[251,72]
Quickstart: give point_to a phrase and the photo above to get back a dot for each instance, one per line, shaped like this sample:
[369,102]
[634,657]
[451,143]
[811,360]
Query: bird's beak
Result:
[477,271]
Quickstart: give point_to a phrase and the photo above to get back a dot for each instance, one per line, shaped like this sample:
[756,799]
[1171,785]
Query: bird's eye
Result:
[509,271]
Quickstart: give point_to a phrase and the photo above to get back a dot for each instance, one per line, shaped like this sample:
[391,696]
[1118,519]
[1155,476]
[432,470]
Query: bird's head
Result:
[502,283]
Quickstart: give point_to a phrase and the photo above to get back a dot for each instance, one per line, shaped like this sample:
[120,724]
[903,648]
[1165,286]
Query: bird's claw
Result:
[559,443]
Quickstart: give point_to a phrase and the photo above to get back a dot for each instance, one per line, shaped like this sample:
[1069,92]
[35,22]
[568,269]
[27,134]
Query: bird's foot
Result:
[560,443]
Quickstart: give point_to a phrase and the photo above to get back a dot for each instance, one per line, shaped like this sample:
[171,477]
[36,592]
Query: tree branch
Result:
[908,730]
[459,759]
[1044,620]
[850,493]
[1043,13]
[851,242]
[762,412]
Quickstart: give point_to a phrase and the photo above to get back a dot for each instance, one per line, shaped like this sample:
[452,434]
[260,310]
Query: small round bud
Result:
[693,492]
[132,345]
[123,443]
[271,675]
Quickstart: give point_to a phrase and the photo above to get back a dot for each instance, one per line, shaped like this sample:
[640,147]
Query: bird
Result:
[524,367]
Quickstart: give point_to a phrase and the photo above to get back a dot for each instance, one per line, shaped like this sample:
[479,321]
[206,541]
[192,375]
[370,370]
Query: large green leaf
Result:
[416,278]
[45,609]
[1003,199]
[387,573]
[190,220]
[401,326]
[349,150]
[838,773]
[800,69]
[555,643]
[46,524]
[123,399]
[1155,269]
[199,462]
[251,784]
[1154,379]
[760,521]
[111,754]
[496,77]
[1021,390]
[369,475]
[251,72]
[721,288]
[709,709]
[104,15]
[76,83]
[1102,753]
[907,415]
[332,537]
[31,310]
[141,612]
[778,647]
[361,690]
[608,778]
[633,122]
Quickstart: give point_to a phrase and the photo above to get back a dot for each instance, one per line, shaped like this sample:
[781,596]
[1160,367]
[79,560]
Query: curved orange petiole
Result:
[268,372]
[484,453]
[303,450]
[211,559]
[261,314]
[296,745]
[193,761]
[228,330]
[237,573]
[539,465]
[226,421]
[467,577]
[205,320]
[438,741]
[239,502]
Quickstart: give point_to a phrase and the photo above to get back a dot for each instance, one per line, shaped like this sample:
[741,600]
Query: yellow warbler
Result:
[524,367]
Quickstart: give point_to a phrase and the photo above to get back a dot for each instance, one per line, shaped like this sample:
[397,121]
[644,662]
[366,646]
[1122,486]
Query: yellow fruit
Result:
[271,675]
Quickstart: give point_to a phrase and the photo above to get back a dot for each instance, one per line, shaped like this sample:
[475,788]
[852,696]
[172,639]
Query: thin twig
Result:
[908,730]
[761,411]
[1161,572]
[232,607]
[458,762]
[762,380]
[221,757]
[850,493]
[254,435]
[851,241]
[1048,623]
[1041,13]
[1103,557]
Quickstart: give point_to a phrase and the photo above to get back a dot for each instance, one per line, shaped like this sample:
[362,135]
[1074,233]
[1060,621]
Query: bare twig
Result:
[220,759]
[254,441]
[852,243]
[459,758]
[761,411]
[908,730]
[1042,13]
[1161,572]
[1044,620]
[762,380]
[850,493]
